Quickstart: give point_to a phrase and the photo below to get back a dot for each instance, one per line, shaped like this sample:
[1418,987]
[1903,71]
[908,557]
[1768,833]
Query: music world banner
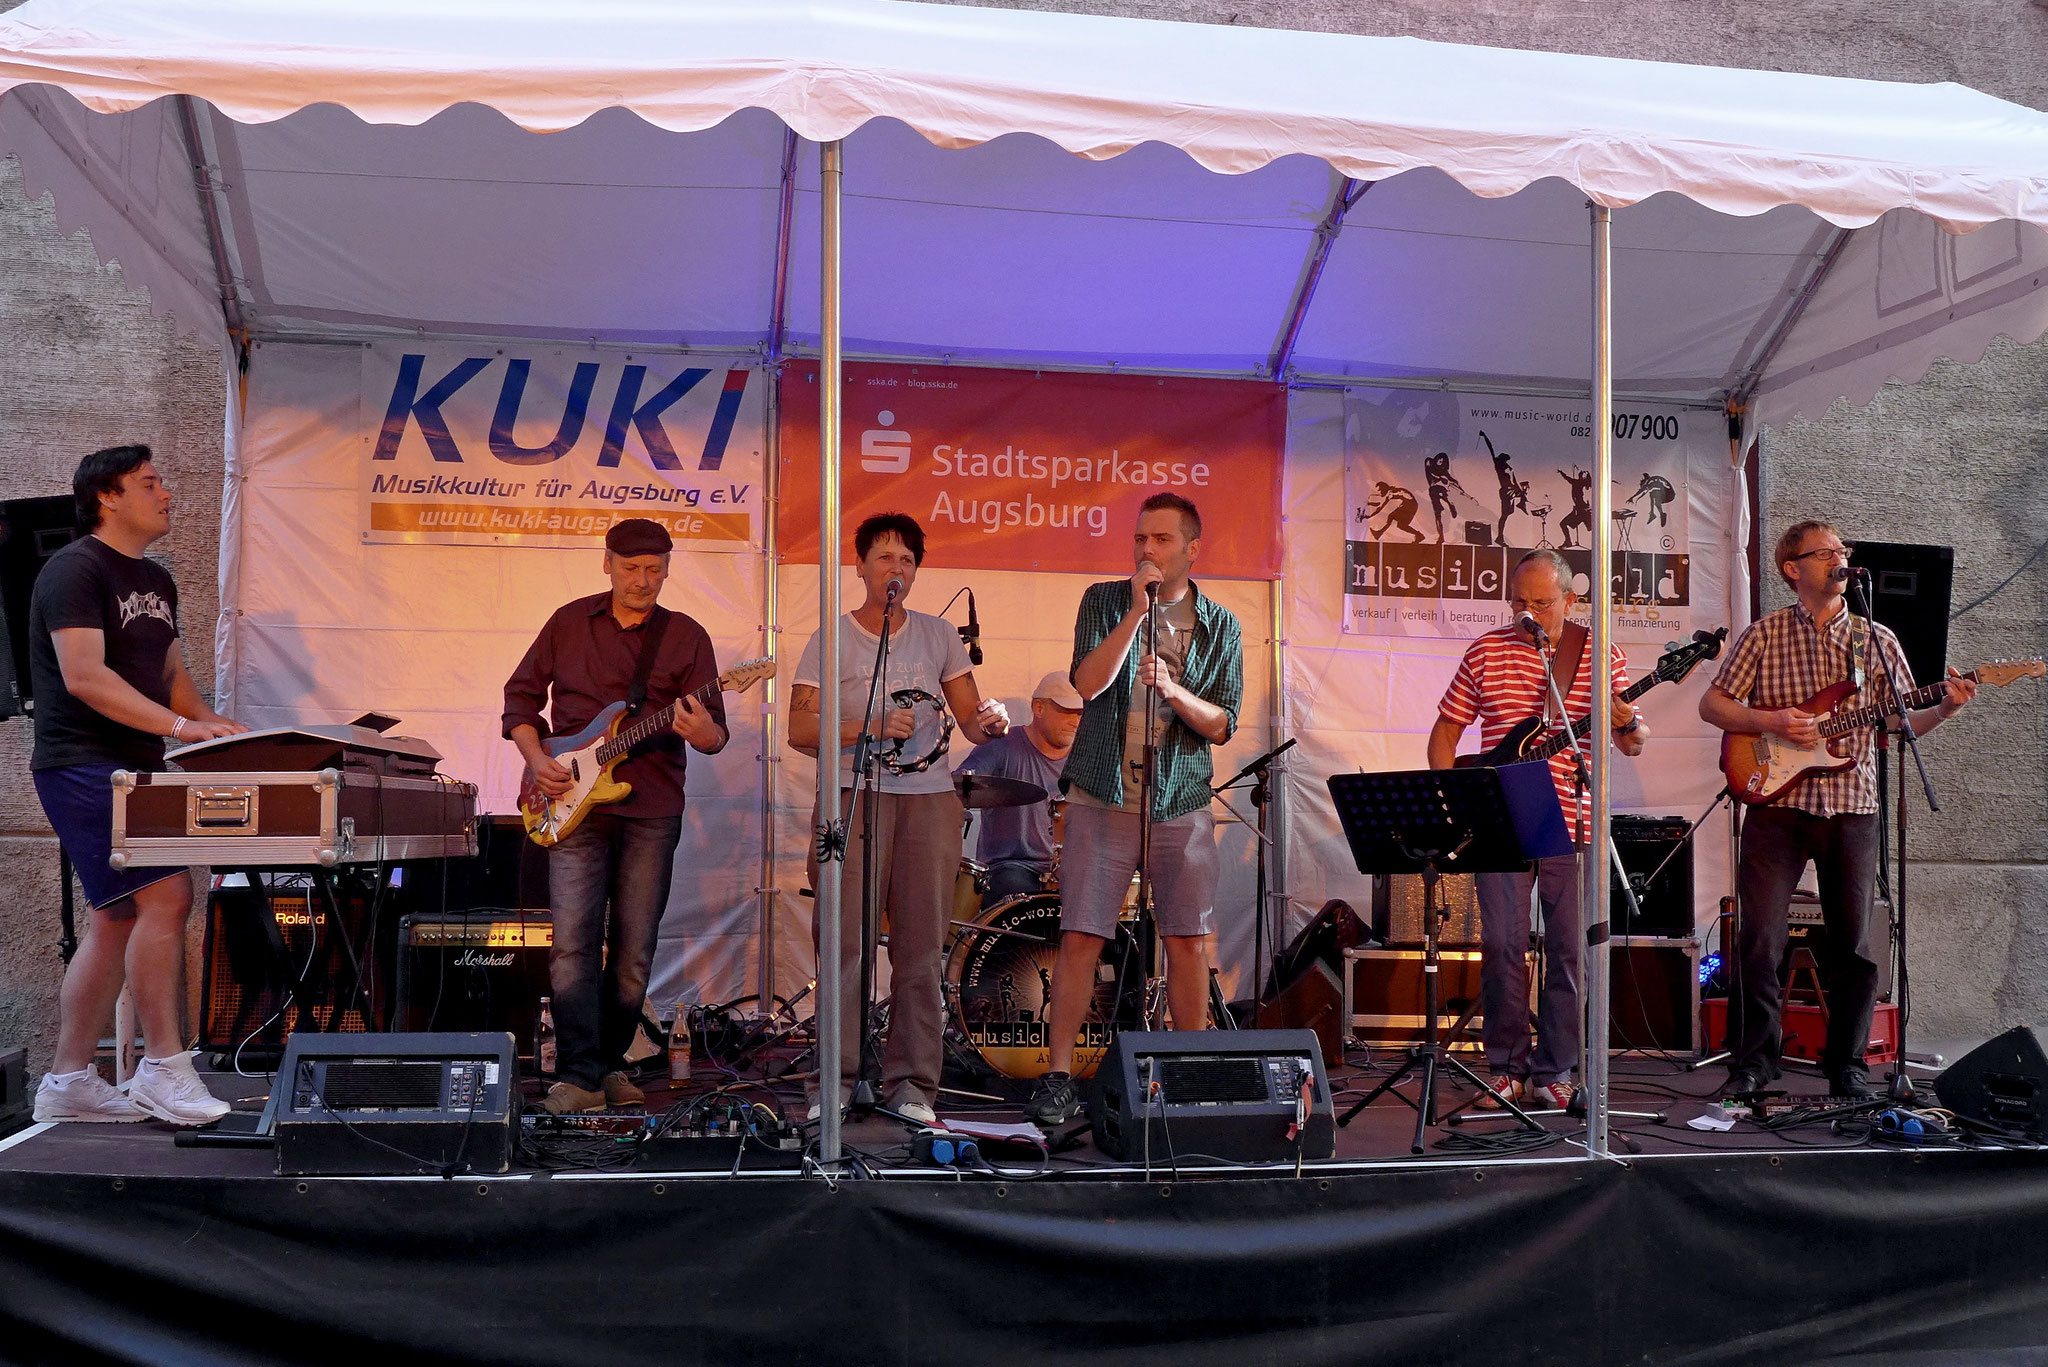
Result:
[1040,470]
[1446,492]
[539,445]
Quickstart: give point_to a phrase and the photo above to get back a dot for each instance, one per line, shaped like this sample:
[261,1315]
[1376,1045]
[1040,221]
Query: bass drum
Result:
[999,987]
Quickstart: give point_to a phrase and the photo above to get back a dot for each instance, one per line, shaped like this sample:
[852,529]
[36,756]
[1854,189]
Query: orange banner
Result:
[1040,470]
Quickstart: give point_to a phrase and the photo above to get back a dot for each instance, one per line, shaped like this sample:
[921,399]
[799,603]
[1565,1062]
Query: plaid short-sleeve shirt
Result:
[1784,659]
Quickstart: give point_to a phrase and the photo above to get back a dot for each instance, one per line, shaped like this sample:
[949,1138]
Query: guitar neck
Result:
[1840,723]
[654,723]
[1583,727]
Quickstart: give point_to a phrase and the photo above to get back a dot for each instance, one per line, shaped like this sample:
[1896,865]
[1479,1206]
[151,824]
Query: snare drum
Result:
[968,885]
[999,987]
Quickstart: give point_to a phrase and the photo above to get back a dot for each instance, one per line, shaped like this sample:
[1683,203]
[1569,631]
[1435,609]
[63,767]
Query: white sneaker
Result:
[88,1098]
[918,1111]
[170,1089]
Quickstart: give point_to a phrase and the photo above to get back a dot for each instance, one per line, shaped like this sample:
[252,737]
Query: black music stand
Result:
[1430,821]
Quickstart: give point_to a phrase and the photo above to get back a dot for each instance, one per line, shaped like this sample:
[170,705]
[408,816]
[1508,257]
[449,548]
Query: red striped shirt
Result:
[1500,682]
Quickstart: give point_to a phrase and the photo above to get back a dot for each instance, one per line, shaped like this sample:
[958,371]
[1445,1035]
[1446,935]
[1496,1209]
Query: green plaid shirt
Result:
[1214,673]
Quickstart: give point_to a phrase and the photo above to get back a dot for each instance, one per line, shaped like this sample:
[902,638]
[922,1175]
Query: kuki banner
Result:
[549,446]
[1445,492]
[1041,470]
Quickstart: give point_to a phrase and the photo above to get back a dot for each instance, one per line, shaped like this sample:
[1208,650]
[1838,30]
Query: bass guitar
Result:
[1527,741]
[591,754]
[1759,768]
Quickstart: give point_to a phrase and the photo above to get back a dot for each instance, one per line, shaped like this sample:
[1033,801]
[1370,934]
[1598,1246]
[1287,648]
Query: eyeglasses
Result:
[1825,553]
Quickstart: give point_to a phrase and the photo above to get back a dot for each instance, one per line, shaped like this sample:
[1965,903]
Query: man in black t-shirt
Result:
[110,684]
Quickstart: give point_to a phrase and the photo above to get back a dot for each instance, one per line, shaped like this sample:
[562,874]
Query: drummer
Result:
[1019,844]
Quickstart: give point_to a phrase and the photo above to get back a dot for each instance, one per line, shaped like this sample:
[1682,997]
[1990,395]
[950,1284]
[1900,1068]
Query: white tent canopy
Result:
[1325,209]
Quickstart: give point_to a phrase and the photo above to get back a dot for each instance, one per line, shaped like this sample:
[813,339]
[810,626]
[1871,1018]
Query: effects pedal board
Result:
[719,1144]
[617,1124]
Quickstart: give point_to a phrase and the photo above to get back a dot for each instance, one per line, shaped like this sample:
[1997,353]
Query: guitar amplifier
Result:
[474,971]
[396,1104]
[276,961]
[1397,910]
[1644,843]
[1230,1094]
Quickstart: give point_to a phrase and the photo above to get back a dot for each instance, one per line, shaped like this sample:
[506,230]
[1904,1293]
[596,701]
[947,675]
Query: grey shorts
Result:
[1101,854]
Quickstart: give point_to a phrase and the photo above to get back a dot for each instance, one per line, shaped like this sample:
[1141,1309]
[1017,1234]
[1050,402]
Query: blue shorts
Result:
[79,800]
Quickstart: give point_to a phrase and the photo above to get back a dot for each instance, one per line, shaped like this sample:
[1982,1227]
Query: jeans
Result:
[1776,843]
[1504,970]
[609,885]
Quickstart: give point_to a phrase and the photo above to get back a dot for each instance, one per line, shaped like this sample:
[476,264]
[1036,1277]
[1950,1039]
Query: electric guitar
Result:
[1761,767]
[1522,743]
[591,754]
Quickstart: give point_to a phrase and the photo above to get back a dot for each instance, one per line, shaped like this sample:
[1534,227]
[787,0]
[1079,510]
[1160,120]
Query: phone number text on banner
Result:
[1041,470]
[1445,493]
[547,446]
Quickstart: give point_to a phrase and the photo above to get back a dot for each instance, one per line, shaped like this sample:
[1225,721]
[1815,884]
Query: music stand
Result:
[1466,821]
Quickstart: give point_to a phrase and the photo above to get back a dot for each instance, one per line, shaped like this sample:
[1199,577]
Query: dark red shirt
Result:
[586,660]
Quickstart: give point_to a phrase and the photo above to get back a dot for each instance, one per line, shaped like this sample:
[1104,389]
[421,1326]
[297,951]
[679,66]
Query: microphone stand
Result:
[1259,771]
[1898,1087]
[1148,928]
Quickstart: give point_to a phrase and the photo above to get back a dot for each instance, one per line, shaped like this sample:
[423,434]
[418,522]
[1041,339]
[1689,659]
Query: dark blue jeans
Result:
[609,885]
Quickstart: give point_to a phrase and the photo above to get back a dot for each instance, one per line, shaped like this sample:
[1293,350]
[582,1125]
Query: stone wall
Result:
[1954,459]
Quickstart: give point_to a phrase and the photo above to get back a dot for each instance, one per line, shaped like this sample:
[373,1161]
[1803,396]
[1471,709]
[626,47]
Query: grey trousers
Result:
[917,854]
[1504,970]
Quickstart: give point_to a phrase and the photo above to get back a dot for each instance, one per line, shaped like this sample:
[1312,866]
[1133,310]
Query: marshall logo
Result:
[140,604]
[470,958]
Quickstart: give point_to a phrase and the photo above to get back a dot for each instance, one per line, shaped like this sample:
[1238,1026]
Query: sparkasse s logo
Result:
[884,449]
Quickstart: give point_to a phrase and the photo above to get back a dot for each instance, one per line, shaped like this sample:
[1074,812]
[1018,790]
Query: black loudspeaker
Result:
[1653,994]
[474,971]
[2003,1081]
[14,1093]
[1397,909]
[31,531]
[1910,587]
[1644,842]
[396,1104]
[1230,1094]
[508,872]
[276,961]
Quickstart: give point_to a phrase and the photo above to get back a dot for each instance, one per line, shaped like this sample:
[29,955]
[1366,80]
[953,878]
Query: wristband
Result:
[1634,724]
[178,728]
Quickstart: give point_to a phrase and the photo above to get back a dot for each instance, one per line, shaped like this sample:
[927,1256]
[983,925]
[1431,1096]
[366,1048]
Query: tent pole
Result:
[1594,863]
[830,397]
[1279,887]
[1349,192]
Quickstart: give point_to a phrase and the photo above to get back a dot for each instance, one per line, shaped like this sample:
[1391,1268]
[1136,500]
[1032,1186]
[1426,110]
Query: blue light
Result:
[1709,966]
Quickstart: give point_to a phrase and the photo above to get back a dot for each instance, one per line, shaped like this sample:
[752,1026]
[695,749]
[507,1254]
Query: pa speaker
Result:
[31,531]
[396,1104]
[2003,1081]
[1910,588]
[1230,1094]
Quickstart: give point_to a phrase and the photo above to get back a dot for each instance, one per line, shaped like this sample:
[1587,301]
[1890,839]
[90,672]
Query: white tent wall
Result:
[327,627]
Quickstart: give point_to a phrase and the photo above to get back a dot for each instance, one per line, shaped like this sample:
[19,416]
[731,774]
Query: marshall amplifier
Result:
[439,1104]
[474,971]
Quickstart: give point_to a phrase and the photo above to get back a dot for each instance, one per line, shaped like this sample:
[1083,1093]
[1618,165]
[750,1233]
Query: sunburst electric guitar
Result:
[1760,767]
[1531,739]
[591,754]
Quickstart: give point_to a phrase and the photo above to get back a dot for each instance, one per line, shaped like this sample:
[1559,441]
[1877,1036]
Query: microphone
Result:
[1839,574]
[970,635]
[1527,622]
[1152,591]
[895,588]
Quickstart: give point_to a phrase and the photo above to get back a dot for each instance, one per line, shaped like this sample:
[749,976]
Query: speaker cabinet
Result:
[1653,994]
[31,531]
[2003,1081]
[1665,902]
[1230,1094]
[14,1091]
[1313,1001]
[1397,910]
[1910,587]
[474,972]
[277,961]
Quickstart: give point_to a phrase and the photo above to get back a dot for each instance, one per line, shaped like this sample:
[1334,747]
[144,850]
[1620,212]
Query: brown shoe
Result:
[620,1091]
[566,1098]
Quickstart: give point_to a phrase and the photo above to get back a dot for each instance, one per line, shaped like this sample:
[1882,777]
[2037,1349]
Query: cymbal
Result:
[991,790]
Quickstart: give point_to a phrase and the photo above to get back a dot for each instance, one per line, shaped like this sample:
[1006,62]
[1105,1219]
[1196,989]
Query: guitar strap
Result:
[1564,664]
[1859,638]
[657,624]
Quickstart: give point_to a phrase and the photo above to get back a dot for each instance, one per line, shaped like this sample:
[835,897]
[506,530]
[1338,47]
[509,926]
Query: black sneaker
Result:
[1851,1084]
[1054,1101]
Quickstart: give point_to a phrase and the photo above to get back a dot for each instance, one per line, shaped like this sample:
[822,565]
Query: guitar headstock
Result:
[1999,673]
[745,675]
[1674,665]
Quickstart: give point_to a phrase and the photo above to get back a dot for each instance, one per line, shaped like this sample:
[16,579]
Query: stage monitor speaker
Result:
[2003,1081]
[14,1091]
[474,972]
[275,964]
[1397,910]
[1910,587]
[1230,1094]
[396,1104]
[1644,842]
[31,531]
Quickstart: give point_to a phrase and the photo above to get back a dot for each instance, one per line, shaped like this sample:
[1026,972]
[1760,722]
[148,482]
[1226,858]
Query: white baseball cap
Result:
[1056,687]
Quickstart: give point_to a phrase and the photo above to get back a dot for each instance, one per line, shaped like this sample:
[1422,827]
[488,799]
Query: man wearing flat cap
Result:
[608,881]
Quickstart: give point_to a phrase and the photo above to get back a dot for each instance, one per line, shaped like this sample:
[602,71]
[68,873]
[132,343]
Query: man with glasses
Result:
[1499,683]
[1782,660]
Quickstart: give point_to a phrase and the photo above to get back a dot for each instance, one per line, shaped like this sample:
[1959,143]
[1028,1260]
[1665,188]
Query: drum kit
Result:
[999,964]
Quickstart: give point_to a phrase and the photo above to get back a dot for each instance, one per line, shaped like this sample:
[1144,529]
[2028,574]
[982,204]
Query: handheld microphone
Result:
[1152,591]
[970,635]
[1527,622]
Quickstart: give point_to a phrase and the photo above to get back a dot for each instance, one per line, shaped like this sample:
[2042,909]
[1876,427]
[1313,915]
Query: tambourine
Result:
[927,743]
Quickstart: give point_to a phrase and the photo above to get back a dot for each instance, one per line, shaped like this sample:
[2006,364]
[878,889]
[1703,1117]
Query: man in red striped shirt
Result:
[1500,682]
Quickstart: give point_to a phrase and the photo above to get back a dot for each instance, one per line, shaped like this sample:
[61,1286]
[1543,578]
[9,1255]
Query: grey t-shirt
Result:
[925,655]
[1176,631]
[1015,832]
